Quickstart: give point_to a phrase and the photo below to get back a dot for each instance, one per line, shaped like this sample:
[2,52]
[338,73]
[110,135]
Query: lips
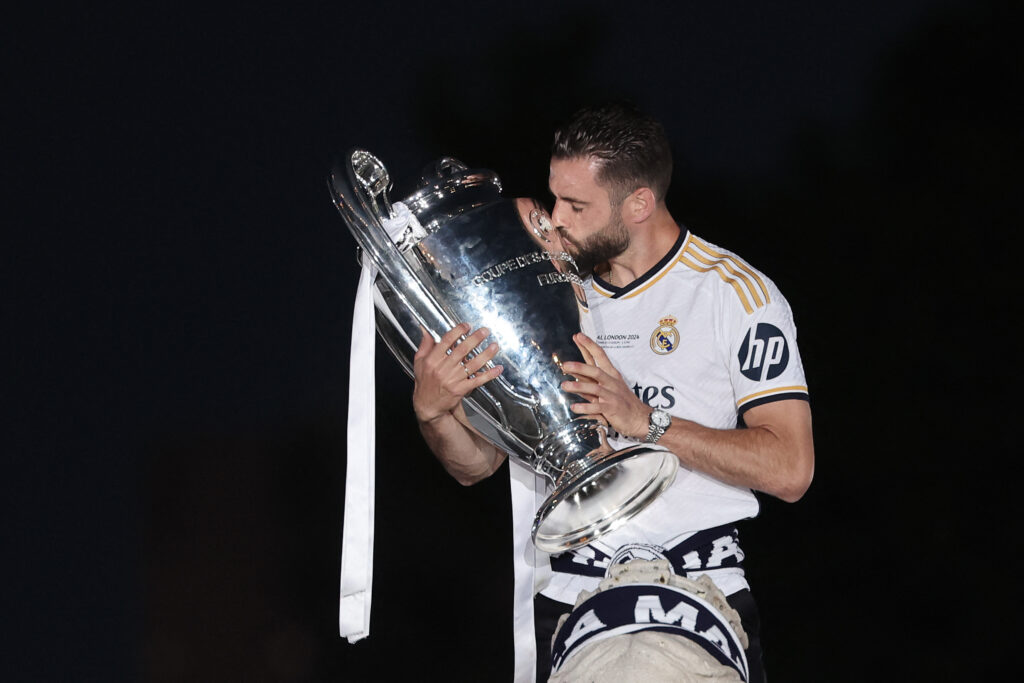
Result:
[566,242]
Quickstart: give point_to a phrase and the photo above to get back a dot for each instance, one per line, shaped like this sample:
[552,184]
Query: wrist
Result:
[643,424]
[658,423]
[433,419]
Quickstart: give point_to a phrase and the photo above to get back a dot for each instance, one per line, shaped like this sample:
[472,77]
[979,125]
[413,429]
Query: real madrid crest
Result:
[665,338]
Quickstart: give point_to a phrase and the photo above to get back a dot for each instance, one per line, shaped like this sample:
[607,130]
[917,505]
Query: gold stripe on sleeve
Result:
[768,392]
[732,281]
[739,264]
[724,263]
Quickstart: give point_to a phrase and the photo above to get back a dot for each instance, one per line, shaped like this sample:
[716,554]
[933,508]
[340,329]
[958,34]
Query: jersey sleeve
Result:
[765,363]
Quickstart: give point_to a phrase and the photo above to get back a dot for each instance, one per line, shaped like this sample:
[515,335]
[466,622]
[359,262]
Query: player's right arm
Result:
[443,378]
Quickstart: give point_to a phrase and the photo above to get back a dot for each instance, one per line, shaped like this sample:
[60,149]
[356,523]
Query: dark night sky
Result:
[178,290]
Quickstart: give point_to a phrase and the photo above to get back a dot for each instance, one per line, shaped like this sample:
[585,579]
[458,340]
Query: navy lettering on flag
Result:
[650,607]
[709,549]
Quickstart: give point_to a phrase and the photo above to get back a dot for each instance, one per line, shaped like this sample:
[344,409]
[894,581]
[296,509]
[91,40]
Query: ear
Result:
[639,206]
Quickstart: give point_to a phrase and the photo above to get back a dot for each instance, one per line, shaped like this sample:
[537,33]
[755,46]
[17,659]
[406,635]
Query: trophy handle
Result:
[447,166]
[359,188]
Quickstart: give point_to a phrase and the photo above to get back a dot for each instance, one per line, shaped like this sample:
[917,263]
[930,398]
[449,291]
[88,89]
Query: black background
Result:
[178,290]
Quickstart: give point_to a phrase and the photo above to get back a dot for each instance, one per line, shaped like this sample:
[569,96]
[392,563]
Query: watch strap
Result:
[654,431]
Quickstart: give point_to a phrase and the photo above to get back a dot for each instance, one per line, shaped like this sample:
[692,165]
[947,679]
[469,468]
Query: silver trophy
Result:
[473,256]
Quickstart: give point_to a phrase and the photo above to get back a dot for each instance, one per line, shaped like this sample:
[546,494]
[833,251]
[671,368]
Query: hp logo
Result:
[764,353]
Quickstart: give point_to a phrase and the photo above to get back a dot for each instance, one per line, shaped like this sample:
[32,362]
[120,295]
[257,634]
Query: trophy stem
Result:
[570,447]
[596,489]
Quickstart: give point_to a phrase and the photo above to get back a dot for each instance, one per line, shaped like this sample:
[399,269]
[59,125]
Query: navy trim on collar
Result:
[619,292]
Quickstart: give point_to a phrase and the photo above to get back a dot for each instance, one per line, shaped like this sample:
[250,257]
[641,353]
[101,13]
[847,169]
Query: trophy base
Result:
[601,498]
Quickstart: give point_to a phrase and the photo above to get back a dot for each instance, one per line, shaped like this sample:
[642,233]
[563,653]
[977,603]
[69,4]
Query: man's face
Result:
[591,228]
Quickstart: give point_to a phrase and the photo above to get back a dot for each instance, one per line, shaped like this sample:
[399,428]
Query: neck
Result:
[649,242]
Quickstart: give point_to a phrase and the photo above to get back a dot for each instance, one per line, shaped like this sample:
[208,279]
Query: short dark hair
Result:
[632,146]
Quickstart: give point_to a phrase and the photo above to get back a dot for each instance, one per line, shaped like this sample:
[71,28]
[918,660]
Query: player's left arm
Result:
[774,454]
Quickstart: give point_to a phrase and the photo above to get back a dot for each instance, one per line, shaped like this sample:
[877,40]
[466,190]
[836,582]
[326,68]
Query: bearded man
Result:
[687,346]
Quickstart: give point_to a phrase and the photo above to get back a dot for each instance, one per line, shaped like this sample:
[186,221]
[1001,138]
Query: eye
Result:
[577,209]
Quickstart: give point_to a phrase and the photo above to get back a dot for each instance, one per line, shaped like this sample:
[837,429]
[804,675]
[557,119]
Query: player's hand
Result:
[607,394]
[445,373]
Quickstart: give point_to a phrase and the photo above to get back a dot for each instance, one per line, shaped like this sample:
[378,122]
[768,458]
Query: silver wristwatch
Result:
[659,422]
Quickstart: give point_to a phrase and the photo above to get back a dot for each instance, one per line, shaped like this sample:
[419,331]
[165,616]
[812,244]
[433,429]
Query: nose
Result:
[558,214]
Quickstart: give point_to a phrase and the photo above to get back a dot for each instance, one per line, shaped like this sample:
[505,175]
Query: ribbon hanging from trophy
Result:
[357,533]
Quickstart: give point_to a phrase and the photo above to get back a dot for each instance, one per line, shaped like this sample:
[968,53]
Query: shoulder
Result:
[736,282]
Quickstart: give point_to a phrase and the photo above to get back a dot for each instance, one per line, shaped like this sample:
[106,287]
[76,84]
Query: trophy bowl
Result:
[456,251]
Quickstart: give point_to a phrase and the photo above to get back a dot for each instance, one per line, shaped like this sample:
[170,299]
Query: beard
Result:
[602,246]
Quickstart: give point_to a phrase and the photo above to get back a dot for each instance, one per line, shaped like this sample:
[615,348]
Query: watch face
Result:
[661,419]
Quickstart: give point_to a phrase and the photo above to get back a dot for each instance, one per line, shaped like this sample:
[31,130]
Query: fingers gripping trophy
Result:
[457,251]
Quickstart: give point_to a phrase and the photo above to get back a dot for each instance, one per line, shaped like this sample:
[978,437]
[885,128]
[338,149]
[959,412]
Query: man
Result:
[686,342]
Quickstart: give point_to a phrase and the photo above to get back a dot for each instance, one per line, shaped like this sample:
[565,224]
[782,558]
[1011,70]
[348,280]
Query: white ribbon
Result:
[357,532]
[532,567]
[523,508]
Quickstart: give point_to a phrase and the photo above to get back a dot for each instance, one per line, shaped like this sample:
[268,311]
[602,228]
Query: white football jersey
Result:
[704,336]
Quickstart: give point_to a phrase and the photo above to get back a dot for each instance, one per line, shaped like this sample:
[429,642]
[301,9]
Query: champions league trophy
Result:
[457,251]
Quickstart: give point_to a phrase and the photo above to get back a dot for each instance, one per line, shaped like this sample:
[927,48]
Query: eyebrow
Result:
[571,200]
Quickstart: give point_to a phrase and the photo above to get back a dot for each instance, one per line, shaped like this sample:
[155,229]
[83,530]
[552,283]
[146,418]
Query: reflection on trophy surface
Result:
[457,251]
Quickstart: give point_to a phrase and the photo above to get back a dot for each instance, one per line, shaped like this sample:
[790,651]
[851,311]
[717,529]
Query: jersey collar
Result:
[605,288]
